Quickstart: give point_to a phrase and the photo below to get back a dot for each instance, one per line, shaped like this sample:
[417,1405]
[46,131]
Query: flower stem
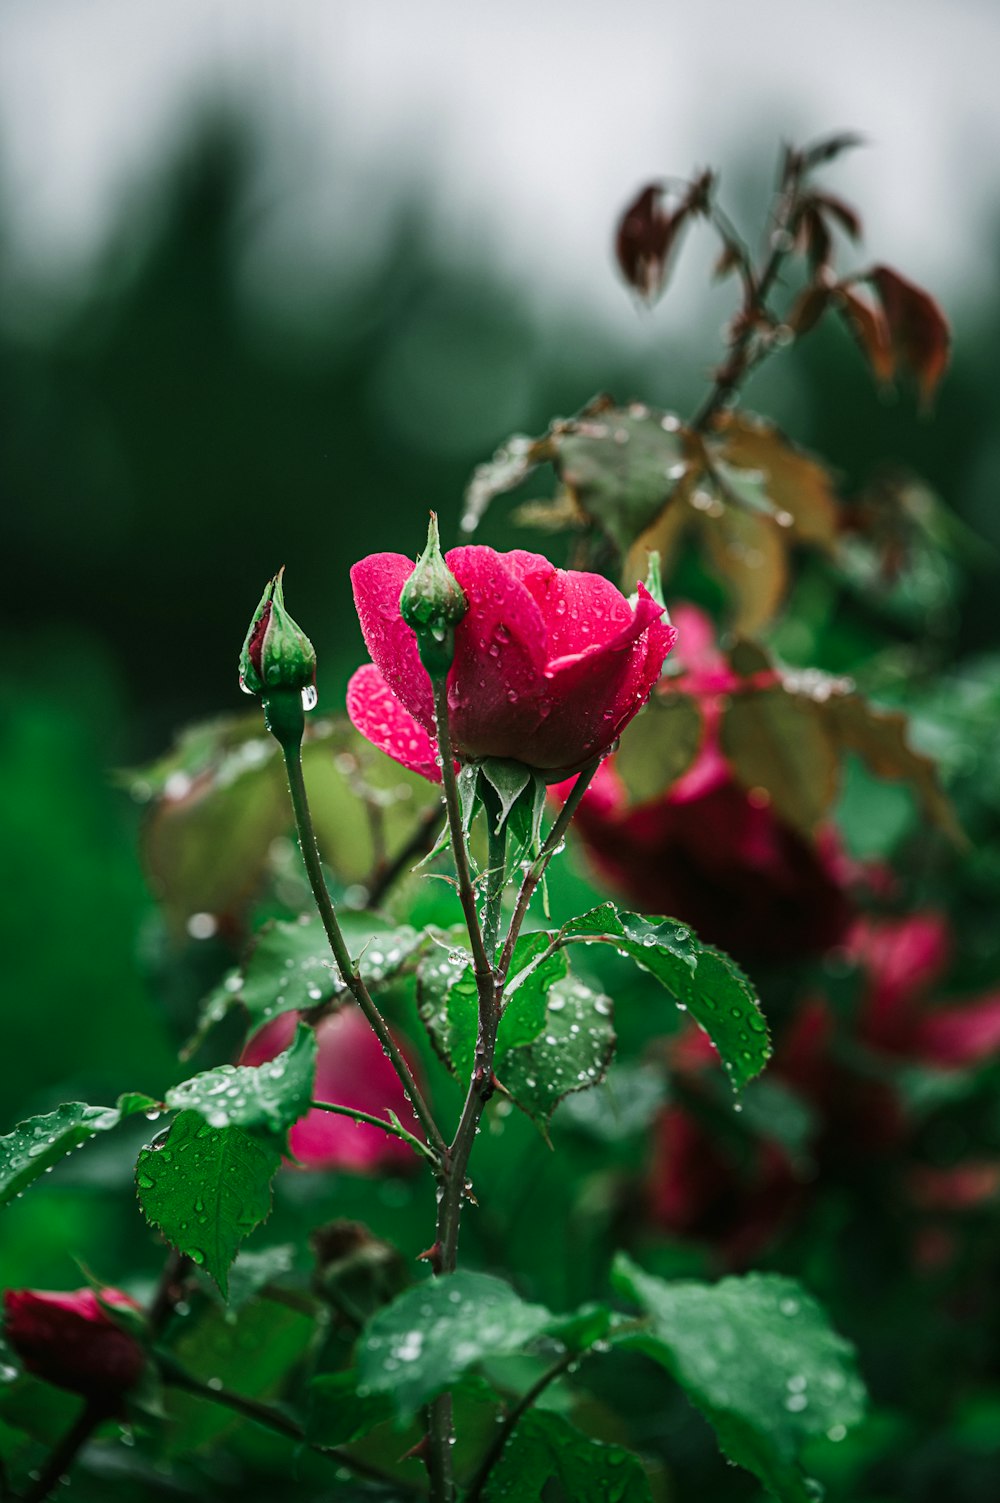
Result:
[474,1490]
[65,1452]
[466,891]
[352,980]
[276,1420]
[536,870]
[747,349]
[496,861]
[394,1129]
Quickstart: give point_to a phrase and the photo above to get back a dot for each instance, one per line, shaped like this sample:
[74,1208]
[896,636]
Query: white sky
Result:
[528,123]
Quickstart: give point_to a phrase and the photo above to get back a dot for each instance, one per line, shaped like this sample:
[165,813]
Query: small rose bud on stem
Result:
[433,603]
[278,664]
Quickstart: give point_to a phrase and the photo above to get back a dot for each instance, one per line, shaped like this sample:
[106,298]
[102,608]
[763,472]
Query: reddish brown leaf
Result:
[797,485]
[809,308]
[643,242]
[844,213]
[870,328]
[919,333]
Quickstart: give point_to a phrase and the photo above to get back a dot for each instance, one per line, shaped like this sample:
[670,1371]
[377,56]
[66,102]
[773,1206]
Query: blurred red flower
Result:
[69,1339]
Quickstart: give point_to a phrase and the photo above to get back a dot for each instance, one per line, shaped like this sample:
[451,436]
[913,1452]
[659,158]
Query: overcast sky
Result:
[528,123]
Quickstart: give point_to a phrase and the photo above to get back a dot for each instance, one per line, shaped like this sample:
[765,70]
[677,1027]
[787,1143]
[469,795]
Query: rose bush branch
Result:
[278,663]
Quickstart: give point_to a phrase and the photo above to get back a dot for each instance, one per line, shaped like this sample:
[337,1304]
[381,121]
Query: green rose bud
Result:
[278,663]
[277,654]
[433,603]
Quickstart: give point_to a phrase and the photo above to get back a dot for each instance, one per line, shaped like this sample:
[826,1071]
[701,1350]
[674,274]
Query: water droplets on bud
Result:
[309,697]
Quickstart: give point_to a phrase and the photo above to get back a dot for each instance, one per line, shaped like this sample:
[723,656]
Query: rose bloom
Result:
[739,1196]
[705,851]
[351,1070]
[71,1341]
[550,665]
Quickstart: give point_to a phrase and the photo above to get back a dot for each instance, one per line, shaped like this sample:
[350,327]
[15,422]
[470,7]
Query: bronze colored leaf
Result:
[799,487]
[749,552]
[879,737]
[778,743]
[868,324]
[918,330]
[659,746]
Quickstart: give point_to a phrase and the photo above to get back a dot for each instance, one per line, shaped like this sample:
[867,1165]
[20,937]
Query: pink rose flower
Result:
[70,1340]
[351,1070]
[550,665]
[704,851]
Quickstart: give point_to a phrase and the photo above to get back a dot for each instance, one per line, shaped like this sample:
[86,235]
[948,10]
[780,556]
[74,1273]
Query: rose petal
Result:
[903,958]
[595,693]
[378,715]
[498,676]
[351,1070]
[377,582]
[962,1034]
[580,610]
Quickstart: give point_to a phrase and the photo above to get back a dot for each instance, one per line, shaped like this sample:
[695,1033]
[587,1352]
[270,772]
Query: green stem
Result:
[279,1422]
[394,1129]
[482,965]
[345,965]
[496,1448]
[537,868]
[496,860]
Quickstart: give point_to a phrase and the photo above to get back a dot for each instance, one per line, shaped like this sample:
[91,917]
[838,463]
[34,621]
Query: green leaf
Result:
[571,1051]
[701,980]
[265,1098]
[290,968]
[512,463]
[39,1142]
[508,780]
[626,1103]
[431,1335]
[758,1357]
[206,1188]
[622,465]
[252,1271]
[555,1034]
[338,1413]
[251,1353]
[546,1446]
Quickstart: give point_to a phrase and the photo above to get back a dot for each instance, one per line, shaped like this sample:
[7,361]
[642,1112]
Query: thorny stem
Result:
[394,1129]
[746,349]
[536,870]
[351,979]
[282,1424]
[475,1489]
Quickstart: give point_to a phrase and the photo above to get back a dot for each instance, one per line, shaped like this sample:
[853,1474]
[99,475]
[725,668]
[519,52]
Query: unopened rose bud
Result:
[71,1340]
[278,663]
[277,654]
[433,603]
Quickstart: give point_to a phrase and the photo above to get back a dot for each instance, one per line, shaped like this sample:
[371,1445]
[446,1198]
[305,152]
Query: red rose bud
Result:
[433,604]
[72,1341]
[549,665]
[277,654]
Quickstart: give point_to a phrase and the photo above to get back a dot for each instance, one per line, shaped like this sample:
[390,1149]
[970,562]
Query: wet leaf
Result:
[290,968]
[253,1271]
[702,981]
[39,1142]
[759,1358]
[431,1335]
[545,1446]
[797,485]
[206,1189]
[621,467]
[780,743]
[265,1099]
